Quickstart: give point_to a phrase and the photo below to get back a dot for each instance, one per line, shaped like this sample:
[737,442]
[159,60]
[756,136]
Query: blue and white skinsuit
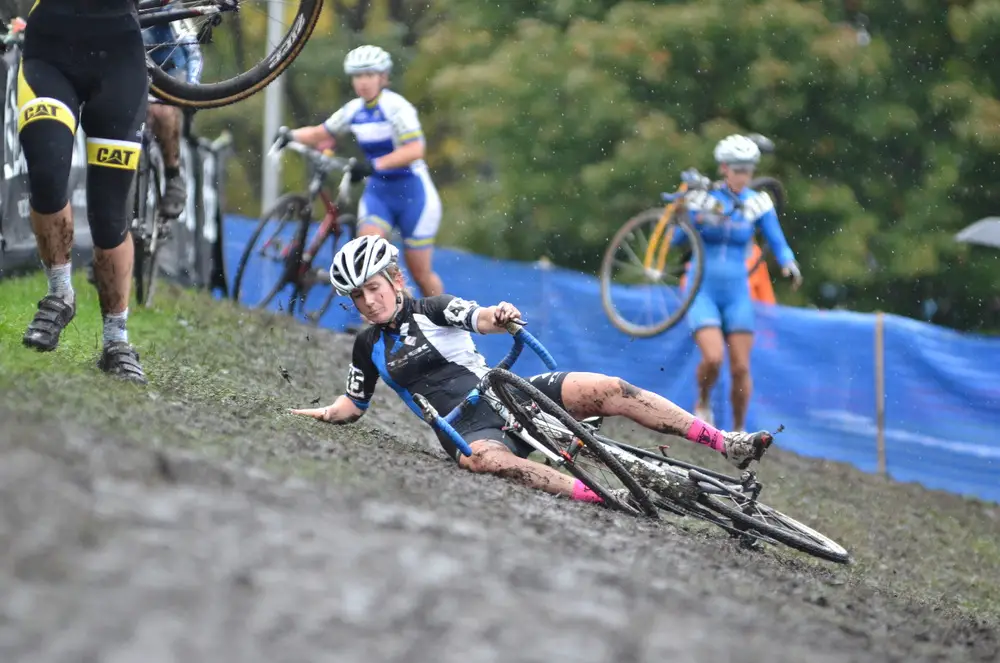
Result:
[726,222]
[174,48]
[403,198]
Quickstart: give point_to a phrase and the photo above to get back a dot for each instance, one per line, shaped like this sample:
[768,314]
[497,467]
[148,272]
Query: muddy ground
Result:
[194,520]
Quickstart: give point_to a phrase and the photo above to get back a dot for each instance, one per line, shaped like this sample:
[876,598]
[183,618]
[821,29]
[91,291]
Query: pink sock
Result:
[702,433]
[584,494]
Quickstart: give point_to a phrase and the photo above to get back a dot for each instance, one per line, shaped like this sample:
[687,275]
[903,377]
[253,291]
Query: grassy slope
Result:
[214,371]
[217,388]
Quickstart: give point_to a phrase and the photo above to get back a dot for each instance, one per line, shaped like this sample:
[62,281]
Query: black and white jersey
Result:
[431,353]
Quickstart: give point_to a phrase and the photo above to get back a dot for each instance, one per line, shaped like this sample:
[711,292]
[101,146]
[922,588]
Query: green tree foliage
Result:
[550,122]
[558,120]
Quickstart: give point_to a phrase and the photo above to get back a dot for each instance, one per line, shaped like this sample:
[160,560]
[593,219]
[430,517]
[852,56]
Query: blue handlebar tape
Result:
[539,349]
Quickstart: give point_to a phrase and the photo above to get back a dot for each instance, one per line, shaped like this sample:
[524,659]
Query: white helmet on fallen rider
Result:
[736,149]
[359,260]
[367,59]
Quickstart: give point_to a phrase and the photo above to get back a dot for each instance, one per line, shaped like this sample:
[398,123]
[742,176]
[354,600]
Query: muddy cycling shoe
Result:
[50,320]
[744,448]
[174,198]
[122,361]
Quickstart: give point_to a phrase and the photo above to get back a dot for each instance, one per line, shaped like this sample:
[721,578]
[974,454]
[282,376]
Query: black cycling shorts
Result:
[99,81]
[483,423]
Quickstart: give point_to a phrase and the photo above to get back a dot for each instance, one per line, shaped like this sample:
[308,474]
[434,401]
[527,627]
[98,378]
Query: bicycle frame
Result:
[151,12]
[315,189]
[747,487]
[661,249]
[427,412]
[705,481]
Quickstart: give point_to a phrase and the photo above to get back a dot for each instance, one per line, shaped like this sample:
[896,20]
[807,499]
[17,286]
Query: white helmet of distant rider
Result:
[737,157]
[369,67]
[356,271]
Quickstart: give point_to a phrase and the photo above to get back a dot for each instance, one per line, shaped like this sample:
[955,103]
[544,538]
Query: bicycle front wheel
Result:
[238,59]
[641,273]
[320,276]
[270,259]
[582,455]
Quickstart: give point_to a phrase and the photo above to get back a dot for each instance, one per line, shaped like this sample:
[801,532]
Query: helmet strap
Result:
[399,301]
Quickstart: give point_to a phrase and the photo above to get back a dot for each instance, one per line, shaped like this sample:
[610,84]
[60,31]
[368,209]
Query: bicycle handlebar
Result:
[324,162]
[430,415]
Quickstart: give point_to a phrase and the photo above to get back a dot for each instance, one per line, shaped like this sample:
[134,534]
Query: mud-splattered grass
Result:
[215,371]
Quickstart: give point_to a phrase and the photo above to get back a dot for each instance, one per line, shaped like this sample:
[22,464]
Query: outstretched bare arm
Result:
[341,411]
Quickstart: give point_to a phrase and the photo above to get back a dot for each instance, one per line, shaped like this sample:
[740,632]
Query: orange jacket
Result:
[761,289]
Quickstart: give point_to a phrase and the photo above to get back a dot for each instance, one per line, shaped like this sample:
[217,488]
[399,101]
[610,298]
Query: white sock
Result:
[60,282]
[114,327]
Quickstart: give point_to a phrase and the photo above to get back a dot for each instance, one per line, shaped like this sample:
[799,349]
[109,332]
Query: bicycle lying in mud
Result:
[655,482]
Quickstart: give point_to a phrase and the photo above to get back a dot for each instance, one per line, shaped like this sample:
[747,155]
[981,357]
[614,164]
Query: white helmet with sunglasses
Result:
[736,150]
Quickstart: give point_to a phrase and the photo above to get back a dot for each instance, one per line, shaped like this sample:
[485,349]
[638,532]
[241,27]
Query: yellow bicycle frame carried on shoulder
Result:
[654,242]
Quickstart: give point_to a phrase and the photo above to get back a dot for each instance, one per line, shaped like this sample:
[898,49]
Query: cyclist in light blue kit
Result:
[726,216]
[399,192]
[174,48]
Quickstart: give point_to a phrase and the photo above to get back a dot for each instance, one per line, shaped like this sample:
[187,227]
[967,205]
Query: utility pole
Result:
[273,95]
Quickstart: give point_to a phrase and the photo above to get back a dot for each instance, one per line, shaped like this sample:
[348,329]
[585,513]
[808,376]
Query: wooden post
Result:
[880,389]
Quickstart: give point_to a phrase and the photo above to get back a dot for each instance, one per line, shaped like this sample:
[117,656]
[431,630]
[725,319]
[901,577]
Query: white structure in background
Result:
[273,94]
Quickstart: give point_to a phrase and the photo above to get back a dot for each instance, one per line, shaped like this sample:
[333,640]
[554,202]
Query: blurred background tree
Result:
[549,123]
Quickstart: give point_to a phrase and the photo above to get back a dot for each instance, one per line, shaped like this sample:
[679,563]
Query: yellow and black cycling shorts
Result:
[78,78]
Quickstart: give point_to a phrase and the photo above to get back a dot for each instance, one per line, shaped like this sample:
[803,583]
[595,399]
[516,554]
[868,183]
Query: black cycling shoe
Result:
[122,361]
[50,320]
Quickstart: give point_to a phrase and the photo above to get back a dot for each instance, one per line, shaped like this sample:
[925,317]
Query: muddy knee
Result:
[487,457]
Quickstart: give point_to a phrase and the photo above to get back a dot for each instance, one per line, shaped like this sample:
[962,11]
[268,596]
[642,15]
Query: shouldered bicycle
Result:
[652,251]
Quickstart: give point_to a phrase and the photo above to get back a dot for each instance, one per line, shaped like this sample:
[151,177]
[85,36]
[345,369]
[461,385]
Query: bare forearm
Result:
[310,135]
[341,411]
[401,156]
[494,319]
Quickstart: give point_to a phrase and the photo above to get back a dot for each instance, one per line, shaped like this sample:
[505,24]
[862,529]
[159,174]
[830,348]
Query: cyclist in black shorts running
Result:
[83,63]
[425,346]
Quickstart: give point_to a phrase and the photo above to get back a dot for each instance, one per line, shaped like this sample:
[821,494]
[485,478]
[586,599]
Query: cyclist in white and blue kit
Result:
[399,192]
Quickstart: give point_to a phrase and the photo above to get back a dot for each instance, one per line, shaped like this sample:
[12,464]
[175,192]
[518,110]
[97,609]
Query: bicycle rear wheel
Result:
[272,254]
[582,455]
[232,69]
[771,523]
[146,227]
[641,274]
[719,499]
